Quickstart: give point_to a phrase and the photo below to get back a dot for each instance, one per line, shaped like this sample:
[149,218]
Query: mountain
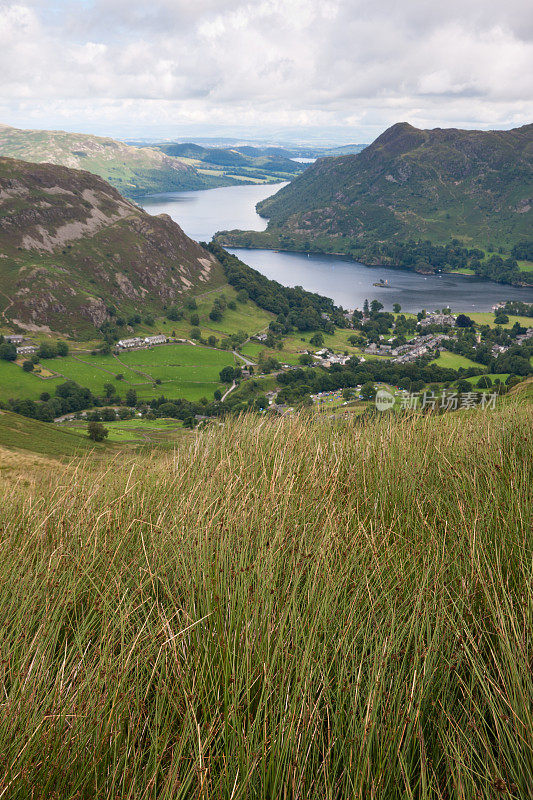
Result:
[71,246]
[410,184]
[255,163]
[134,171]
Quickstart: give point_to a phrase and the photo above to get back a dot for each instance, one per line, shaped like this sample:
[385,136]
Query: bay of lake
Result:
[347,282]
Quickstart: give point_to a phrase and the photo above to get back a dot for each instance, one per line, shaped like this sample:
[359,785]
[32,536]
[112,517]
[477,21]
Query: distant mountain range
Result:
[71,247]
[137,171]
[134,171]
[408,185]
[262,164]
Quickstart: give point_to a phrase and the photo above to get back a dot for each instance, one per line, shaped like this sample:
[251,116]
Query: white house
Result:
[14,338]
[158,338]
[26,350]
[136,341]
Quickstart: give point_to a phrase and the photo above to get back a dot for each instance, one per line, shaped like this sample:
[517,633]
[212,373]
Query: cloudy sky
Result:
[341,70]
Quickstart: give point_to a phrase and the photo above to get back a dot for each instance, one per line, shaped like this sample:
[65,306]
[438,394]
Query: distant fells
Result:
[71,247]
[409,186]
[134,171]
[138,171]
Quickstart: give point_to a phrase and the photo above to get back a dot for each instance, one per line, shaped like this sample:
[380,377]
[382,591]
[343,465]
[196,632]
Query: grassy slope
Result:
[22,433]
[285,609]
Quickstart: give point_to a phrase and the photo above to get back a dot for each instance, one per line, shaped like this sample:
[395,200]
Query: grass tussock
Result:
[282,609]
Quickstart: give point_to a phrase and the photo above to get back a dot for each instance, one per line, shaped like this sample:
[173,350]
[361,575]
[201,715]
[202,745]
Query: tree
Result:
[196,333]
[212,341]
[27,366]
[242,296]
[97,432]
[8,351]
[109,414]
[484,382]
[44,396]
[317,340]
[396,308]
[501,319]
[227,374]
[131,397]
[215,314]
[195,320]
[217,394]
[463,321]
[109,389]
[174,313]
[366,310]
[62,348]
[375,306]
[305,359]
[368,391]
[47,350]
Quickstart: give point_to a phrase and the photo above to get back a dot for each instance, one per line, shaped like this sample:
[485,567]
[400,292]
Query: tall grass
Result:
[282,609]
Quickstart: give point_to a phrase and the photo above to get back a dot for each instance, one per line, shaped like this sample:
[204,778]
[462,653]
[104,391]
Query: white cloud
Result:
[355,65]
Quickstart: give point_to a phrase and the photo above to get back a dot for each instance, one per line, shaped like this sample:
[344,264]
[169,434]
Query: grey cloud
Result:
[269,62]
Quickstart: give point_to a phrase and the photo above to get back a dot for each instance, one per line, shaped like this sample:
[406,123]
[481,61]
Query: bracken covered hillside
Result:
[411,184]
[70,245]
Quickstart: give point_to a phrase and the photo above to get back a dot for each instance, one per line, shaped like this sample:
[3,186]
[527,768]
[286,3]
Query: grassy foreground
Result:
[281,609]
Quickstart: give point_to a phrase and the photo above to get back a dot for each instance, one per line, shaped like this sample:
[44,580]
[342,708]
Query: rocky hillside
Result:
[410,184]
[71,246]
[134,171]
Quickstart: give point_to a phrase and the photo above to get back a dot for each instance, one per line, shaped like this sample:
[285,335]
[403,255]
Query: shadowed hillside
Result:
[71,245]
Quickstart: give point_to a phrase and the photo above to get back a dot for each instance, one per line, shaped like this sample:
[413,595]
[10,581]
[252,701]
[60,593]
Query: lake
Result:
[349,283]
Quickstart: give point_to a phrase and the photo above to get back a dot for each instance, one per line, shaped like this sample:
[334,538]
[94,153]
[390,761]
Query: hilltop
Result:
[134,171]
[408,185]
[71,246]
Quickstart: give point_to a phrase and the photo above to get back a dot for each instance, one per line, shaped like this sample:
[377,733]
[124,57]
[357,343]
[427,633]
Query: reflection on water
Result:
[202,213]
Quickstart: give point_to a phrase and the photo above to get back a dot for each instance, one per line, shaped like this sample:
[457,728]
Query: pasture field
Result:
[455,361]
[136,431]
[487,318]
[14,382]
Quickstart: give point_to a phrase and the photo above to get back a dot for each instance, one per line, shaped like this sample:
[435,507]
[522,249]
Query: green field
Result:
[487,318]
[14,382]
[184,370]
[525,266]
[455,361]
[136,431]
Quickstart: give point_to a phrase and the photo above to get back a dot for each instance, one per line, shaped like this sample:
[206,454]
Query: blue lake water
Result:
[202,213]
